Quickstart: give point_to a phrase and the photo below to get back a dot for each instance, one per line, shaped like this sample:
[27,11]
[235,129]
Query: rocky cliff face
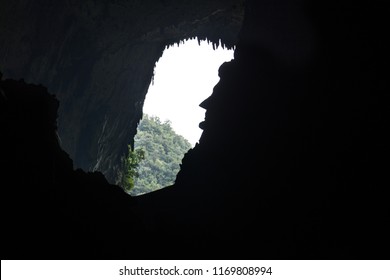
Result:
[292,163]
[98,58]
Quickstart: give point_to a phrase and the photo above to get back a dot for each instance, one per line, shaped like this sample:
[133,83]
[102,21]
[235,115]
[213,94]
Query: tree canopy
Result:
[158,151]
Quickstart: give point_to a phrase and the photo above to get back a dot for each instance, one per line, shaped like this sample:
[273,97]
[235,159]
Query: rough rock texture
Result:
[292,163]
[98,58]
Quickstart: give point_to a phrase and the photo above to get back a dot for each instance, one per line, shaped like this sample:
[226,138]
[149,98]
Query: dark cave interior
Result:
[293,159]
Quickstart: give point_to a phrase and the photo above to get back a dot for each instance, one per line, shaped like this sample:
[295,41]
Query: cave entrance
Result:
[184,76]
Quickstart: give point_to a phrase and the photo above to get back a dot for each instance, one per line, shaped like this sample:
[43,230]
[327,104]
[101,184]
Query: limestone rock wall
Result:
[98,58]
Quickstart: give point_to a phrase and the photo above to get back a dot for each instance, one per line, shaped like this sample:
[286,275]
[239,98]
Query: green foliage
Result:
[163,152]
[131,165]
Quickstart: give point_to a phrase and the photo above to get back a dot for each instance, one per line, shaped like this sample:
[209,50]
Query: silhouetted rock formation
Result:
[48,209]
[292,163]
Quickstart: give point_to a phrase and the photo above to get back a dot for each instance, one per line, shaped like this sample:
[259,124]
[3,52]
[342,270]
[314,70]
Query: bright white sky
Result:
[184,77]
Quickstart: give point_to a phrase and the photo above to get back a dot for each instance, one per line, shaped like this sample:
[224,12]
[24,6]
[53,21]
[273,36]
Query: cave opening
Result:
[184,76]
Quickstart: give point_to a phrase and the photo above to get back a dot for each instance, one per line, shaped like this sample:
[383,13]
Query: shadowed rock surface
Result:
[292,163]
[98,58]
[49,209]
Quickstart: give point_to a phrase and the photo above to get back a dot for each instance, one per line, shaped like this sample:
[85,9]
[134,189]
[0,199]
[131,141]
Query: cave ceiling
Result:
[98,58]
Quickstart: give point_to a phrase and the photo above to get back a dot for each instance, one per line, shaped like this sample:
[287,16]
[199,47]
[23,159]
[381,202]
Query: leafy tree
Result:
[163,152]
[131,165]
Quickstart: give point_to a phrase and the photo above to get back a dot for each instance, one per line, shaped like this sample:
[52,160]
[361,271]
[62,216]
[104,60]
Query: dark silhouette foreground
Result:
[292,164]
